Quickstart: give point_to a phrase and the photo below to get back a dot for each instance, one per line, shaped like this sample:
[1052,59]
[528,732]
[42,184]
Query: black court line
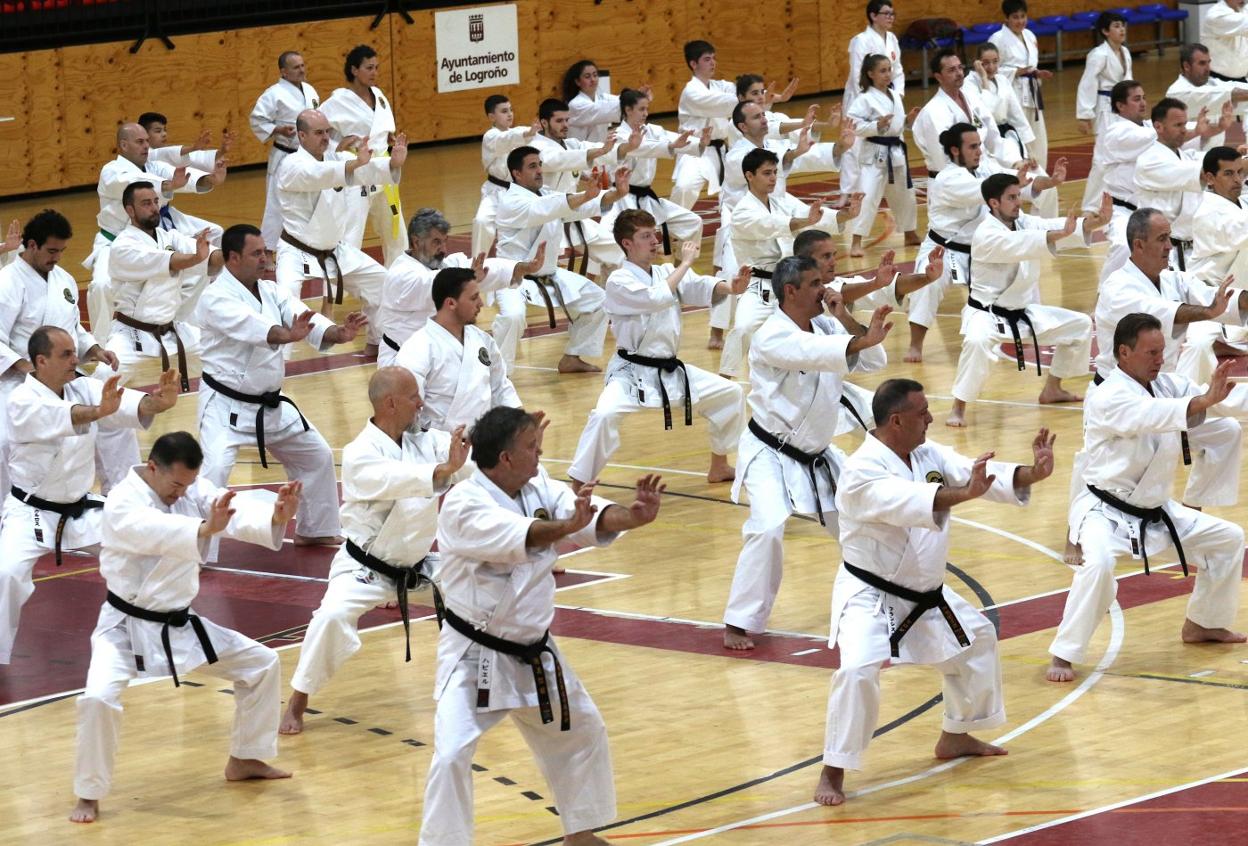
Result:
[1205,682]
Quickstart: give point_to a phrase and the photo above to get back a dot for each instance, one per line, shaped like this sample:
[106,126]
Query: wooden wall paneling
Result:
[34,142]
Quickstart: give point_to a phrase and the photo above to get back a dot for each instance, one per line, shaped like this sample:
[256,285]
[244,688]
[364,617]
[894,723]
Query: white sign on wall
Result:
[477,48]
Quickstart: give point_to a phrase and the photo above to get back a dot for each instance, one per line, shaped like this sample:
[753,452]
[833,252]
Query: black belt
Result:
[1036,96]
[567,234]
[322,258]
[813,461]
[159,330]
[177,618]
[1013,316]
[764,291]
[956,246]
[501,183]
[67,510]
[924,601]
[1179,247]
[718,146]
[542,282]
[645,192]
[1124,204]
[1146,516]
[389,342]
[663,365]
[1005,128]
[285,149]
[1224,78]
[405,579]
[1104,93]
[891,141]
[849,406]
[269,399]
[530,654]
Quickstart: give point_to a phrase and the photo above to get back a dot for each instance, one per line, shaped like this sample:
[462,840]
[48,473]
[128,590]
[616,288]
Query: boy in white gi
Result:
[499,140]
[273,120]
[705,103]
[644,302]
[798,360]
[877,39]
[457,365]
[1134,428]
[1106,65]
[248,321]
[53,418]
[894,497]
[157,526]
[392,476]
[1020,65]
[198,155]
[496,538]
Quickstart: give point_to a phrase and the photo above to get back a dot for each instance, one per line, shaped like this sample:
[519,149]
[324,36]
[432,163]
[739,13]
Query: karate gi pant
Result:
[715,399]
[1215,547]
[725,260]
[973,696]
[587,331]
[271,223]
[253,668]
[361,276]
[693,173]
[99,289]
[682,224]
[1197,359]
[305,456]
[374,208]
[484,228]
[751,313]
[873,183]
[982,333]
[925,302]
[576,763]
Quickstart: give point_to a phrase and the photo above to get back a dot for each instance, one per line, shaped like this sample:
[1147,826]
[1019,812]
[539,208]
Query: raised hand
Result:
[202,245]
[110,396]
[742,280]
[815,213]
[913,115]
[301,326]
[351,327]
[1059,171]
[348,144]
[533,129]
[1085,126]
[633,142]
[12,238]
[1222,298]
[478,267]
[689,252]
[788,92]
[704,138]
[107,357]
[812,114]
[935,264]
[882,124]
[180,178]
[980,481]
[1042,455]
[460,446]
[849,134]
[649,495]
[203,142]
[878,329]
[887,270]
[363,156]
[584,510]
[166,394]
[534,264]
[287,504]
[681,140]
[398,152]
[218,515]
[853,207]
[621,180]
[542,422]
[1219,385]
[804,143]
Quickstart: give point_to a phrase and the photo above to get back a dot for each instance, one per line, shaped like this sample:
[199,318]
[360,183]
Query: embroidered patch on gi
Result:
[483,356]
[69,298]
[935,476]
[542,514]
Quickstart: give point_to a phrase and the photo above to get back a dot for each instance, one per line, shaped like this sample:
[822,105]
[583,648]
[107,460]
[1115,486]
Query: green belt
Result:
[110,237]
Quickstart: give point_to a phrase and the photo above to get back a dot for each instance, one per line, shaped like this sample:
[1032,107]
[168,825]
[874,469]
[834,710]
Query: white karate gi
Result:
[1015,131]
[642,164]
[796,380]
[496,144]
[459,381]
[150,556]
[942,112]
[703,104]
[1225,32]
[389,510]
[1007,274]
[279,105]
[525,219]
[377,203]
[590,119]
[563,162]
[1132,438]
[1219,249]
[866,43]
[236,353]
[491,579]
[1118,147]
[760,238]
[1212,96]
[1018,52]
[1169,181]
[645,317]
[888,527]
[883,171]
[1103,68]
[407,296]
[51,459]
[315,209]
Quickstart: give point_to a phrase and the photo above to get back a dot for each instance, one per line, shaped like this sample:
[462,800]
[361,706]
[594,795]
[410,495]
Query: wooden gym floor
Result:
[1143,748]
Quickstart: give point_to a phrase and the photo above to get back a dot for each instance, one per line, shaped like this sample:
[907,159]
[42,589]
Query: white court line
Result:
[1063,406]
[1115,806]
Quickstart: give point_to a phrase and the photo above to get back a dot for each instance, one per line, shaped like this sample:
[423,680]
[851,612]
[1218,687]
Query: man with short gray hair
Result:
[273,119]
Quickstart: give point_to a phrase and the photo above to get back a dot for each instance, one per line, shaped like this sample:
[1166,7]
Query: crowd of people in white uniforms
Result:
[570,223]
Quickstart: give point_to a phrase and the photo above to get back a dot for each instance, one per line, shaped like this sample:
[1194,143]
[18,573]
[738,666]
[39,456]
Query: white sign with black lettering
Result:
[477,48]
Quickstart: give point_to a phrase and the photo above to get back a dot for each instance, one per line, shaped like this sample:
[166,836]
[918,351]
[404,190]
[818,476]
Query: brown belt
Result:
[568,226]
[542,282]
[321,256]
[159,330]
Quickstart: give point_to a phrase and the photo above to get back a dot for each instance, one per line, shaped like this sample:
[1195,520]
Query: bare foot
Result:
[327,540]
[721,471]
[737,638]
[370,350]
[957,417]
[1054,395]
[1193,633]
[716,340]
[831,787]
[963,745]
[918,334]
[1074,554]
[85,811]
[584,838]
[913,239]
[557,570]
[1060,670]
[856,252]
[292,720]
[242,769]
[575,364]
[914,355]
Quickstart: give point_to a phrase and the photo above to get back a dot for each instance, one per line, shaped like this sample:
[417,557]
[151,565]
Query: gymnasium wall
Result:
[69,101]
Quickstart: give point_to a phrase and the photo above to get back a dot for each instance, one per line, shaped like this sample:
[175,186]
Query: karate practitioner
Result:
[877,39]
[247,322]
[764,223]
[496,538]
[1197,88]
[1224,27]
[499,140]
[157,526]
[1004,300]
[644,300]
[1167,176]
[392,476]
[1020,65]
[457,366]
[361,111]
[273,120]
[407,295]
[315,206]
[36,291]
[894,498]
[1219,249]
[593,109]
[1106,65]
[199,155]
[1134,425]
[530,215]
[705,102]
[798,360]
[951,104]
[53,418]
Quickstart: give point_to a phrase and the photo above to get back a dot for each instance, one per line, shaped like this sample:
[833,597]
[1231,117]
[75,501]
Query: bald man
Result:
[392,477]
[315,211]
[132,165]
